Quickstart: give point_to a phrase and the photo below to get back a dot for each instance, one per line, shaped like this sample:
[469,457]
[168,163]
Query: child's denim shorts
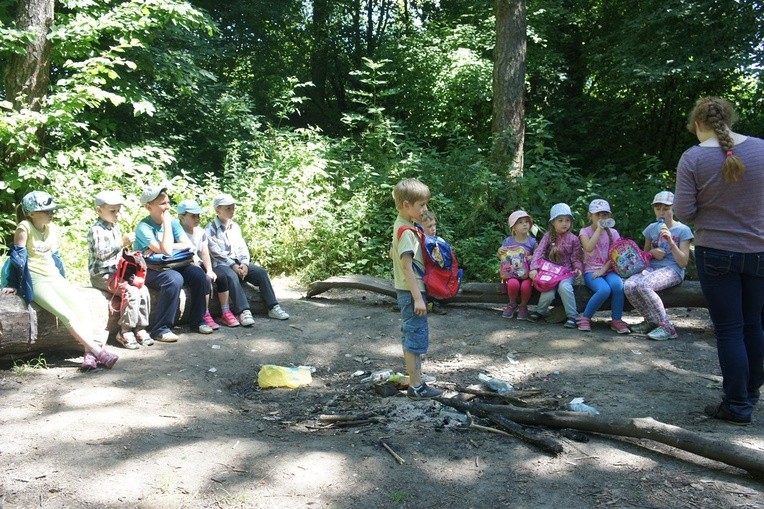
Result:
[416,333]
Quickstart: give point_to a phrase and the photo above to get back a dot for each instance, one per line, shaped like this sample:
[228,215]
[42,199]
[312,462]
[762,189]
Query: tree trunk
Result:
[686,295]
[508,123]
[16,342]
[27,76]
[747,458]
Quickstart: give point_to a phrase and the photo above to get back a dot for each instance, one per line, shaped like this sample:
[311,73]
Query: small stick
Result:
[400,460]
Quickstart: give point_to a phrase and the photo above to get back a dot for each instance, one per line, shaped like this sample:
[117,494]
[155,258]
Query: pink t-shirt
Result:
[597,257]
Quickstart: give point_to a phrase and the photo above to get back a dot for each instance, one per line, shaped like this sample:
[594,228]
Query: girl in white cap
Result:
[515,254]
[562,247]
[596,240]
[39,275]
[668,241]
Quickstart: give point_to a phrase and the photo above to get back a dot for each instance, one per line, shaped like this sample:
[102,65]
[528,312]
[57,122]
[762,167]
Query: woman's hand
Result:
[8,291]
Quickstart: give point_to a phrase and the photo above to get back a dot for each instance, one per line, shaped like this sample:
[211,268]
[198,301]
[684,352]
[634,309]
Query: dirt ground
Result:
[185,425]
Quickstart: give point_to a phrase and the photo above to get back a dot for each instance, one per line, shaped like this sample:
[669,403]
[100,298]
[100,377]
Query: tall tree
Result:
[27,76]
[508,121]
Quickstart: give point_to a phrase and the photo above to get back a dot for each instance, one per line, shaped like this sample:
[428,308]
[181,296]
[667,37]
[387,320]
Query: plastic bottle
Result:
[578,405]
[495,384]
[378,376]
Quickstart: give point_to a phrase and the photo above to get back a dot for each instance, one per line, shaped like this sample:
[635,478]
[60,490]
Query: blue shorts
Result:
[416,333]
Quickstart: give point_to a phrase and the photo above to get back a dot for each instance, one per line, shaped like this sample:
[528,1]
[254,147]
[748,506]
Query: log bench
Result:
[686,295]
[15,340]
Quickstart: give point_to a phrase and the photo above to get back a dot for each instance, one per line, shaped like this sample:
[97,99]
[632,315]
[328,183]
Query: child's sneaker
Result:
[509,311]
[106,359]
[663,332]
[210,321]
[277,313]
[144,337]
[229,320]
[437,308]
[126,338]
[89,361]
[424,391]
[583,323]
[570,323]
[245,318]
[522,312]
[203,328]
[620,326]
[535,317]
[643,327]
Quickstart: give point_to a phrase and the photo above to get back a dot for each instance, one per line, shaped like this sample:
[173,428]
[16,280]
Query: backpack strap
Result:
[420,235]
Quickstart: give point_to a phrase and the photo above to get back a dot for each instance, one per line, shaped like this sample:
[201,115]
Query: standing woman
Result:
[720,186]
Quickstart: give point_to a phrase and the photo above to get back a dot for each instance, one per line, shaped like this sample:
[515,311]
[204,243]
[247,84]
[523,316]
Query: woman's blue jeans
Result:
[733,285]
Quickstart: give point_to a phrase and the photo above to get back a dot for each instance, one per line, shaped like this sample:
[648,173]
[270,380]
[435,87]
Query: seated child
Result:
[559,246]
[515,254]
[230,260]
[160,233]
[596,241]
[189,216]
[668,241]
[105,244]
[429,226]
[38,275]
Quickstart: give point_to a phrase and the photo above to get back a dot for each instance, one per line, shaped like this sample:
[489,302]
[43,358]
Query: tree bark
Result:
[27,76]
[508,123]
[648,428]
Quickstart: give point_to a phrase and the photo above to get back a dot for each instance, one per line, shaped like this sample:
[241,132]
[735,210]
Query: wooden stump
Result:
[16,342]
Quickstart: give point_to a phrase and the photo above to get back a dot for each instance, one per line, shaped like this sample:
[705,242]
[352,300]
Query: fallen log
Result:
[16,341]
[686,295]
[732,454]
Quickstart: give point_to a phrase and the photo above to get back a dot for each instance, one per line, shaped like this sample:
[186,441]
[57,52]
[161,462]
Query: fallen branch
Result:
[397,458]
[732,454]
[512,429]
[517,398]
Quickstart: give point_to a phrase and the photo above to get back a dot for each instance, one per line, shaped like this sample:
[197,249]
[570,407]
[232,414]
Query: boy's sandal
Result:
[144,337]
[127,339]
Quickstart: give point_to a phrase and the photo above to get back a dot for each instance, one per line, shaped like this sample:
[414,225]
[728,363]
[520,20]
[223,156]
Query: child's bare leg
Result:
[413,367]
[223,298]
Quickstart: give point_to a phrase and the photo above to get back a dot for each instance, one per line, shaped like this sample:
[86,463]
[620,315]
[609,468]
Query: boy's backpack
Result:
[131,270]
[514,263]
[628,259]
[442,276]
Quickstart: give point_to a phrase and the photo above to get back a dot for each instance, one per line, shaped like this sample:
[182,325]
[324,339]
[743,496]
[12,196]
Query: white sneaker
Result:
[278,313]
[245,318]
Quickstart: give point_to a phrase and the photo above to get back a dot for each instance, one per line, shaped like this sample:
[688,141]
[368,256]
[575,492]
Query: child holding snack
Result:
[515,253]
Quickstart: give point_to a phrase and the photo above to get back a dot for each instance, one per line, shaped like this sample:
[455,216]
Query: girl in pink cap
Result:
[515,254]
[596,240]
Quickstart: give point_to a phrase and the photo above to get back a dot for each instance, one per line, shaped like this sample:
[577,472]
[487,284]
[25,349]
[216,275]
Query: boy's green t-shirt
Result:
[408,243]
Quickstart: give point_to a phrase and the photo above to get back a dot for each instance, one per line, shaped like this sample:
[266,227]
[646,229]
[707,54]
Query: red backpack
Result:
[442,276]
[131,270]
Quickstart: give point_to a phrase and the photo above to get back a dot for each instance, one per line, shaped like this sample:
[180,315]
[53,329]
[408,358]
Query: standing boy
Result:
[105,243]
[411,197]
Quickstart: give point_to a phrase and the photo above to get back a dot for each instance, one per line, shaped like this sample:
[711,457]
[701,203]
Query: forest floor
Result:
[185,425]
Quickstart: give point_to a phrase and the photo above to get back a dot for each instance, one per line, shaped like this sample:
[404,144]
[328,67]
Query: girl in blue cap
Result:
[561,247]
[38,275]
